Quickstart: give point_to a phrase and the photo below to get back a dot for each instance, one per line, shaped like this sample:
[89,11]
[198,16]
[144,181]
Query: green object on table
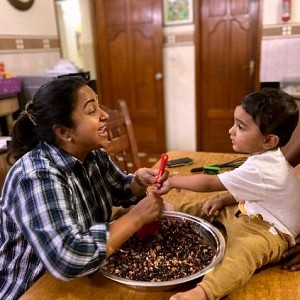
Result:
[211,170]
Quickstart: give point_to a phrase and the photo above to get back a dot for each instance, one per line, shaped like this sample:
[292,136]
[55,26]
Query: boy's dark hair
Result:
[274,111]
[52,105]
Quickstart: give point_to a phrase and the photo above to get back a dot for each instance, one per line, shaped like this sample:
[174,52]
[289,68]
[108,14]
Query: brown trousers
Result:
[250,244]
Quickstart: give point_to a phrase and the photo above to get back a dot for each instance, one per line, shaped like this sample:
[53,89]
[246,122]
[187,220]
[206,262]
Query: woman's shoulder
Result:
[42,157]
[29,163]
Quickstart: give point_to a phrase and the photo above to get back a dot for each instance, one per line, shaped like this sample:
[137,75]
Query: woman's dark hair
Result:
[52,105]
[274,111]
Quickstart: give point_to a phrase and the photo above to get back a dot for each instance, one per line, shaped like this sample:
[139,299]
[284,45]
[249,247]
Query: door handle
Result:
[158,76]
[251,67]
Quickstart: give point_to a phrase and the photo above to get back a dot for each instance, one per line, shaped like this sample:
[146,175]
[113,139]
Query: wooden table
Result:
[272,283]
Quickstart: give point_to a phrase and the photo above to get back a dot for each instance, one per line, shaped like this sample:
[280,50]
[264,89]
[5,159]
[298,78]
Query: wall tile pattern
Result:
[13,44]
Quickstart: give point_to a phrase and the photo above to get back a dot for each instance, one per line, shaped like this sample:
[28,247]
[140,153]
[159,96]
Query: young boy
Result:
[260,214]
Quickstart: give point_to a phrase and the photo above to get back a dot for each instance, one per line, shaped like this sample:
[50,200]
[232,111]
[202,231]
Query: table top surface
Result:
[97,286]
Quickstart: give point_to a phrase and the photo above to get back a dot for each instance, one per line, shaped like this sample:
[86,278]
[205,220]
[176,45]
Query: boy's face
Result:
[245,134]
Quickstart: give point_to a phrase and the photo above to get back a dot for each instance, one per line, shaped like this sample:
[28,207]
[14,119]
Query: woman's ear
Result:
[62,134]
[271,141]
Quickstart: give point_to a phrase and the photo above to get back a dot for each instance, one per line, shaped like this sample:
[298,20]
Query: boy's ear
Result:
[271,141]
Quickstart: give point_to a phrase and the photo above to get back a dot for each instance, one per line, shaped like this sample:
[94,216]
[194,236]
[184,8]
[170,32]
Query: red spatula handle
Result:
[163,163]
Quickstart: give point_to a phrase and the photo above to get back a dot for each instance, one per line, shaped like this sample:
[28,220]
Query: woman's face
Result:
[89,132]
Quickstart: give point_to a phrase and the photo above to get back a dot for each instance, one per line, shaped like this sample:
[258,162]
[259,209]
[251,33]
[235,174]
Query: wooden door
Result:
[128,38]
[227,65]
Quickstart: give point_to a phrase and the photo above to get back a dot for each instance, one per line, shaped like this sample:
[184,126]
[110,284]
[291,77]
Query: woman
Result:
[58,196]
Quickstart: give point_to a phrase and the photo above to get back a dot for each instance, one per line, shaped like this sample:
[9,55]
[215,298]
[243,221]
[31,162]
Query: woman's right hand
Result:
[148,209]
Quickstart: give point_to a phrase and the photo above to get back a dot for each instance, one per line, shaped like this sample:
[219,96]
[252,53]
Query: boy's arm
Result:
[228,199]
[195,183]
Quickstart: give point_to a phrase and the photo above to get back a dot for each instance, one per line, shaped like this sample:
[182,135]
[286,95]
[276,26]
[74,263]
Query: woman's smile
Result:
[102,131]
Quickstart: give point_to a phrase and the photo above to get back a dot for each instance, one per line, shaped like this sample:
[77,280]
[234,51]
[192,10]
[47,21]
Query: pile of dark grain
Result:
[177,250]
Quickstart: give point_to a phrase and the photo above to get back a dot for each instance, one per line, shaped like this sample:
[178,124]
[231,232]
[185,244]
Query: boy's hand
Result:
[210,207]
[161,188]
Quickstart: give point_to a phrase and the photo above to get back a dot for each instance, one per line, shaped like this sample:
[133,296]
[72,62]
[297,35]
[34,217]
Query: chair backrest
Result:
[122,146]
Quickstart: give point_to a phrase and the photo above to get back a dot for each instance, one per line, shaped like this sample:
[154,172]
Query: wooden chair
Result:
[122,146]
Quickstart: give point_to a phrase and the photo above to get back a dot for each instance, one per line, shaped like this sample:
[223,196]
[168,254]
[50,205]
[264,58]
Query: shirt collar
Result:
[62,158]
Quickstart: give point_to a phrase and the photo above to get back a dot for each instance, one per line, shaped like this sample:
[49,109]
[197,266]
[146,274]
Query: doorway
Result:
[75,34]
[129,51]
[227,66]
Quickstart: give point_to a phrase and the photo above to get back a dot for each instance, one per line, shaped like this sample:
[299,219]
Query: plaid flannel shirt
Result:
[54,215]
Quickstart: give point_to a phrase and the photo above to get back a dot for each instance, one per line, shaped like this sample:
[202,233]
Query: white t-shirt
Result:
[270,187]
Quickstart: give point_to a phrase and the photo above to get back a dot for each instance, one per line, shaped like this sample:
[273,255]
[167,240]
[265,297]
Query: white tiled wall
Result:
[39,21]
[179,88]
[32,63]
[280,58]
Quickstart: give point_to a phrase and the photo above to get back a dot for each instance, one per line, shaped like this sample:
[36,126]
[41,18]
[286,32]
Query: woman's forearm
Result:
[292,154]
[138,187]
[120,231]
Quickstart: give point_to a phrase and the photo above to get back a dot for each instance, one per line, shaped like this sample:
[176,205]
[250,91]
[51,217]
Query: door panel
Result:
[128,36]
[227,35]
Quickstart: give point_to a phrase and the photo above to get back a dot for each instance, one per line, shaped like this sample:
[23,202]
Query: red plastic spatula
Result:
[151,228]
[163,163]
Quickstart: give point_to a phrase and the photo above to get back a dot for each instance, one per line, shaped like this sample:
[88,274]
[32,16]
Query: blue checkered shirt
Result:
[54,216]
